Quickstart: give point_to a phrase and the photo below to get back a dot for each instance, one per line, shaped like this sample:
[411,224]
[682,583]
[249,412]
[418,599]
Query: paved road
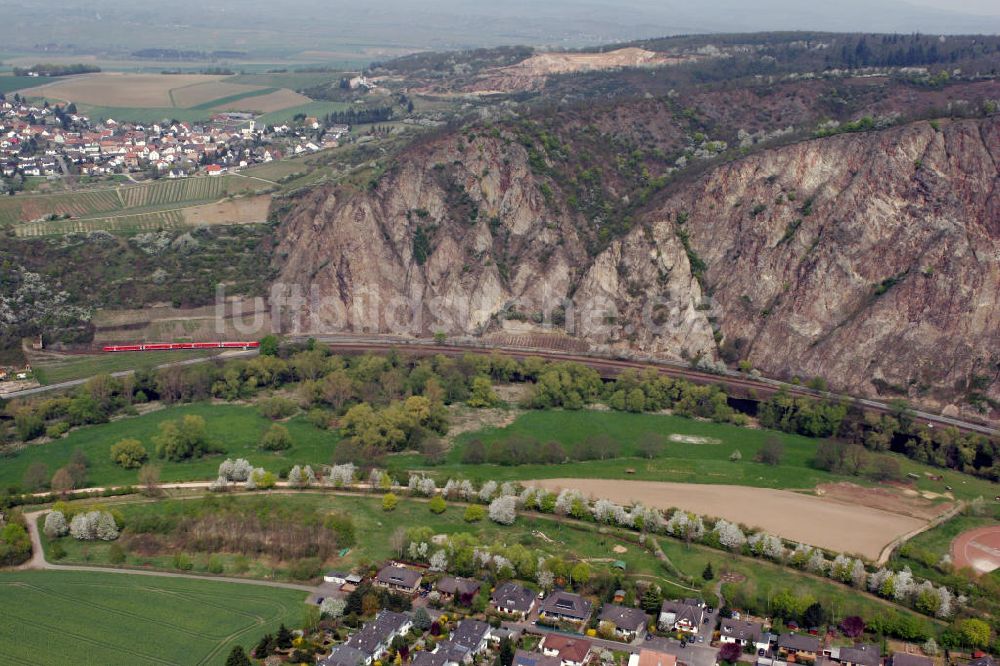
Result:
[39,562]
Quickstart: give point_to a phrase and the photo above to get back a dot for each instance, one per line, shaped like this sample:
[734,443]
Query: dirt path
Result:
[808,519]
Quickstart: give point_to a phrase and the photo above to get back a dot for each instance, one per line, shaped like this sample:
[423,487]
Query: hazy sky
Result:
[985,7]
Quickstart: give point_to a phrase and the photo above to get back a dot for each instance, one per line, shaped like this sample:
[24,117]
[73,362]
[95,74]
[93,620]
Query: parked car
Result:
[761,652]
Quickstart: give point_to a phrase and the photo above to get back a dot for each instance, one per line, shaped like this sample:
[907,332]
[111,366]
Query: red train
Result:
[170,346]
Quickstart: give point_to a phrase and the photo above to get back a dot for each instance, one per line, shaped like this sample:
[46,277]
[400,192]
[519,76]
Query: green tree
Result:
[474,513]
[269,345]
[708,574]
[482,393]
[129,453]
[238,657]
[437,504]
[580,574]
[276,438]
[182,439]
[974,632]
[283,639]
[389,502]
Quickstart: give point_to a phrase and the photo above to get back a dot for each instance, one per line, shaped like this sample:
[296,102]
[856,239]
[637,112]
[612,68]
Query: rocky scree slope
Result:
[871,259]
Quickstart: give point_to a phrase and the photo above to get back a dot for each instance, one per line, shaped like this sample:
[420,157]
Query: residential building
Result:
[472,635]
[647,657]
[425,658]
[512,599]
[800,646]
[742,632]
[343,655]
[570,650]
[628,621]
[335,577]
[525,658]
[460,589]
[400,579]
[376,636]
[566,606]
[687,616]
[860,655]
[904,659]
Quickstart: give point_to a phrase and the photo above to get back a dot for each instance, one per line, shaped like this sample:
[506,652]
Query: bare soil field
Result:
[243,210]
[200,93]
[269,103]
[887,499]
[817,521]
[123,90]
[978,549]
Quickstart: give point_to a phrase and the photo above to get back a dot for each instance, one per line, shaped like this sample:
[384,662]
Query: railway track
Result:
[736,384]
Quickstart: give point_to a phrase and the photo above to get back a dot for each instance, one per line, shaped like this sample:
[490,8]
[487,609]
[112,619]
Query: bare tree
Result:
[149,479]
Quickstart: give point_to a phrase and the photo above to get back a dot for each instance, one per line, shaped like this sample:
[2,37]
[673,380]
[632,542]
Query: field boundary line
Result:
[889,549]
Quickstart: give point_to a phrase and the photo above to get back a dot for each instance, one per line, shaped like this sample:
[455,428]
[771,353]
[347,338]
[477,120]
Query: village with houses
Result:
[429,618]
[54,141]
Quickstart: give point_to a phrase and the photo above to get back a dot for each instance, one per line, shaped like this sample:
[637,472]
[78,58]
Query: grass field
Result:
[546,535]
[235,428]
[10,83]
[53,370]
[109,619]
[293,80]
[316,109]
[230,99]
[696,463]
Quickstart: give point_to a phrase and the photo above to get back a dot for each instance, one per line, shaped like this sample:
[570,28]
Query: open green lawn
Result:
[54,371]
[235,428]
[679,462]
[144,115]
[117,619]
[293,80]
[10,83]
[211,104]
[547,535]
[316,109]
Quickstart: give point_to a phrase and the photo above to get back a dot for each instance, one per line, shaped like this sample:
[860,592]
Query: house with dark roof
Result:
[344,655]
[376,636]
[472,635]
[525,658]
[628,621]
[512,633]
[686,616]
[904,659]
[741,632]
[460,589]
[400,579]
[454,654]
[802,646]
[425,658]
[512,599]
[566,606]
[860,655]
[570,650]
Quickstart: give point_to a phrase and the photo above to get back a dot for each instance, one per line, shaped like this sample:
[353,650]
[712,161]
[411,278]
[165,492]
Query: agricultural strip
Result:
[109,619]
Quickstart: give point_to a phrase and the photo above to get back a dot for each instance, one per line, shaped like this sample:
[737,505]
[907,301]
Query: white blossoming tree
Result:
[503,510]
[55,524]
[333,607]
[487,492]
[730,535]
[439,561]
[341,475]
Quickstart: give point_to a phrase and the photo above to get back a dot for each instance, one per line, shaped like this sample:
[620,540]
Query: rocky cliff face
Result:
[872,260]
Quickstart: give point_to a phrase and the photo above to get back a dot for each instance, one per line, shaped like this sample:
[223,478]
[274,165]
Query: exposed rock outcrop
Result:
[870,259]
